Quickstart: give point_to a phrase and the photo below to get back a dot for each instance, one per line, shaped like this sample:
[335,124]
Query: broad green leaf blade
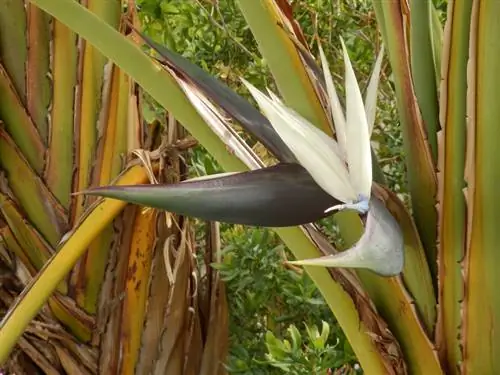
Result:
[80,325]
[34,198]
[235,105]
[279,196]
[18,123]
[419,351]
[13,40]
[283,58]
[108,163]
[39,290]
[437,36]
[160,85]
[481,330]
[422,178]
[31,243]
[422,68]
[89,102]
[37,68]
[451,200]
[8,241]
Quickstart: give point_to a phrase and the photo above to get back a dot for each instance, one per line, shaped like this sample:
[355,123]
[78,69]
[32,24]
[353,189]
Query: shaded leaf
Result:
[416,273]
[451,202]
[35,251]
[61,157]
[40,206]
[422,180]
[37,68]
[423,69]
[13,53]
[18,123]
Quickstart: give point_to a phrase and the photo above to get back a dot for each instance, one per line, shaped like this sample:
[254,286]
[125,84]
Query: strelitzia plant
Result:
[342,168]
[431,318]
[203,105]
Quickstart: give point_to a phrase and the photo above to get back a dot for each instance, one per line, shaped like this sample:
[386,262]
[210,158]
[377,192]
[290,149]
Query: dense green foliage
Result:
[273,309]
[265,296]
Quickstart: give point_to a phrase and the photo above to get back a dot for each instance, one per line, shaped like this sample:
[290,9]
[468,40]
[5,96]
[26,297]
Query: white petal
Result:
[314,150]
[336,108]
[372,90]
[219,126]
[359,158]
[380,248]
[291,112]
[333,145]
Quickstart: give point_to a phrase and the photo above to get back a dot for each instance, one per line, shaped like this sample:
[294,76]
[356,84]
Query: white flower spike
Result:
[342,168]
[314,150]
[336,108]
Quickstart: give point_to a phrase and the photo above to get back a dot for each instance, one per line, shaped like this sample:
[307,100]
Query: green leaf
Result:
[325,332]
[481,303]
[164,89]
[451,200]
[283,57]
[296,337]
[422,178]
[423,72]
